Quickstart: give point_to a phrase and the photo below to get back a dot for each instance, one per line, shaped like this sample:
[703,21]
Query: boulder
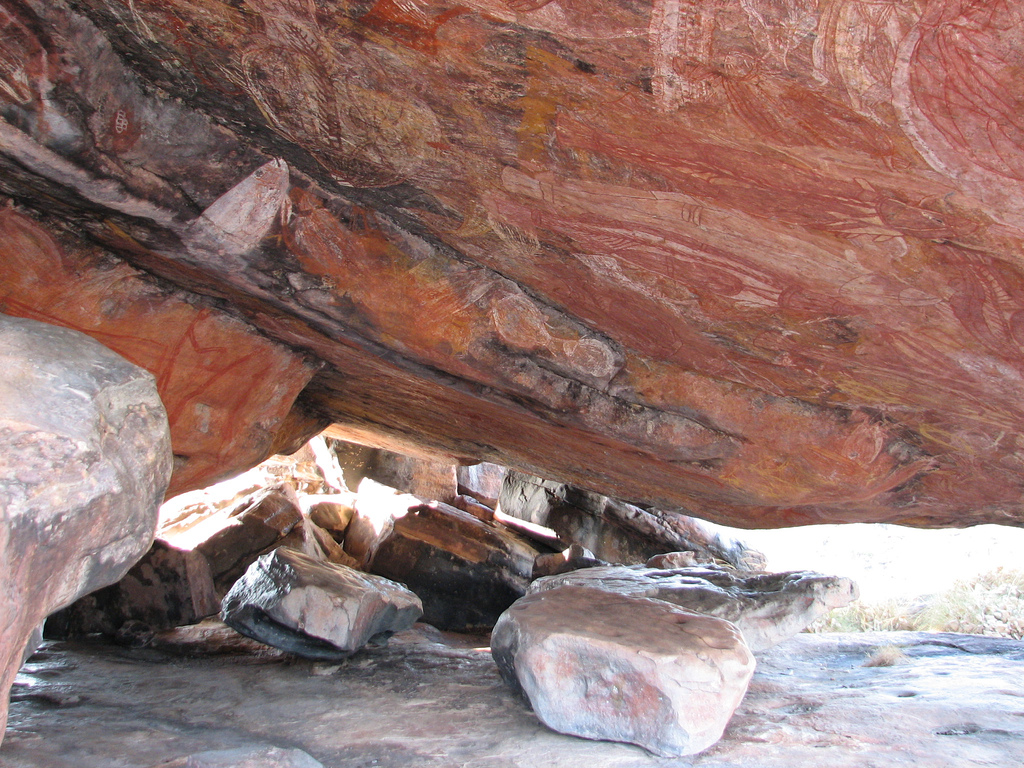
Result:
[766,607]
[315,609]
[613,530]
[318,543]
[570,559]
[203,547]
[256,525]
[85,459]
[632,669]
[228,390]
[466,571]
[481,481]
[332,512]
[168,587]
[376,508]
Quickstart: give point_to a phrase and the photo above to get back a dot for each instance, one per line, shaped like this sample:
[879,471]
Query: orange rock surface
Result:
[759,260]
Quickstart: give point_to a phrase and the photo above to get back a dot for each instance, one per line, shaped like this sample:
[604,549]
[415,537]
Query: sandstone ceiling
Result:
[757,260]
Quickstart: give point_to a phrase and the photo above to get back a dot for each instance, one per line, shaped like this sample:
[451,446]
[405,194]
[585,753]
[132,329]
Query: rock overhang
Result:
[749,263]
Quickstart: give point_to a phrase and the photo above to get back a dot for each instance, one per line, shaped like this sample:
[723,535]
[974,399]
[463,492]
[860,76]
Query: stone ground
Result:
[437,701]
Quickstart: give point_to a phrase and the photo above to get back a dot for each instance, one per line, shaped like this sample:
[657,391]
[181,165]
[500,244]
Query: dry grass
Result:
[991,604]
[886,616]
[886,656]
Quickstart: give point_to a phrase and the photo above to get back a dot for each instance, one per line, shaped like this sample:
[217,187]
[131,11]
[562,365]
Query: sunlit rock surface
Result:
[316,609]
[759,260]
[766,607]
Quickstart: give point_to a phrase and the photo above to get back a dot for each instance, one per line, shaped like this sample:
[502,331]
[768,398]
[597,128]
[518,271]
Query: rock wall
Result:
[759,261]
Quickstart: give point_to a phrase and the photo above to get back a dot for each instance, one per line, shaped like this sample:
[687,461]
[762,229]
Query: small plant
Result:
[887,656]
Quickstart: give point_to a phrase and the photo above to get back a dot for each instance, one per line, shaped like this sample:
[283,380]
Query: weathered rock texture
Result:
[207,539]
[227,390]
[78,705]
[613,530]
[766,607]
[622,668]
[761,260]
[85,458]
[168,587]
[315,609]
[466,571]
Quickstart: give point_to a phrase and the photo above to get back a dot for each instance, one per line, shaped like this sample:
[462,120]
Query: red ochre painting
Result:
[756,259]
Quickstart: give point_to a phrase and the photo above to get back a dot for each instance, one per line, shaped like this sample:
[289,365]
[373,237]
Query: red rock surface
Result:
[759,260]
[227,389]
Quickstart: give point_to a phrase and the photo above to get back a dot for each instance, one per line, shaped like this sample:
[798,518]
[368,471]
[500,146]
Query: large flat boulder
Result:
[315,609]
[85,459]
[766,607]
[621,668]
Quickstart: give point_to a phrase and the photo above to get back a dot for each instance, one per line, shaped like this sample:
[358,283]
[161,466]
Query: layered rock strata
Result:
[758,261]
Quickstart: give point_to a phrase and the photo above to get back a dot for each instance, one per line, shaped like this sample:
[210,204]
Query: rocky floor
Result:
[436,701]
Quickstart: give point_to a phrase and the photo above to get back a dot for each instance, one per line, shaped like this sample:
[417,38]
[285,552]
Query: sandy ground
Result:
[437,702]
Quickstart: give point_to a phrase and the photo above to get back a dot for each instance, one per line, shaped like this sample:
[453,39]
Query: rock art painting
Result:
[199,356]
[756,260]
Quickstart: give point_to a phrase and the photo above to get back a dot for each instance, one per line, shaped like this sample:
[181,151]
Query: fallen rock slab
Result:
[85,459]
[766,607]
[466,571]
[632,669]
[315,609]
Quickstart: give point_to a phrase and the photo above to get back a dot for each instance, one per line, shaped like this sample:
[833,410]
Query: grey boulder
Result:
[619,668]
[85,458]
[766,607]
[316,609]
